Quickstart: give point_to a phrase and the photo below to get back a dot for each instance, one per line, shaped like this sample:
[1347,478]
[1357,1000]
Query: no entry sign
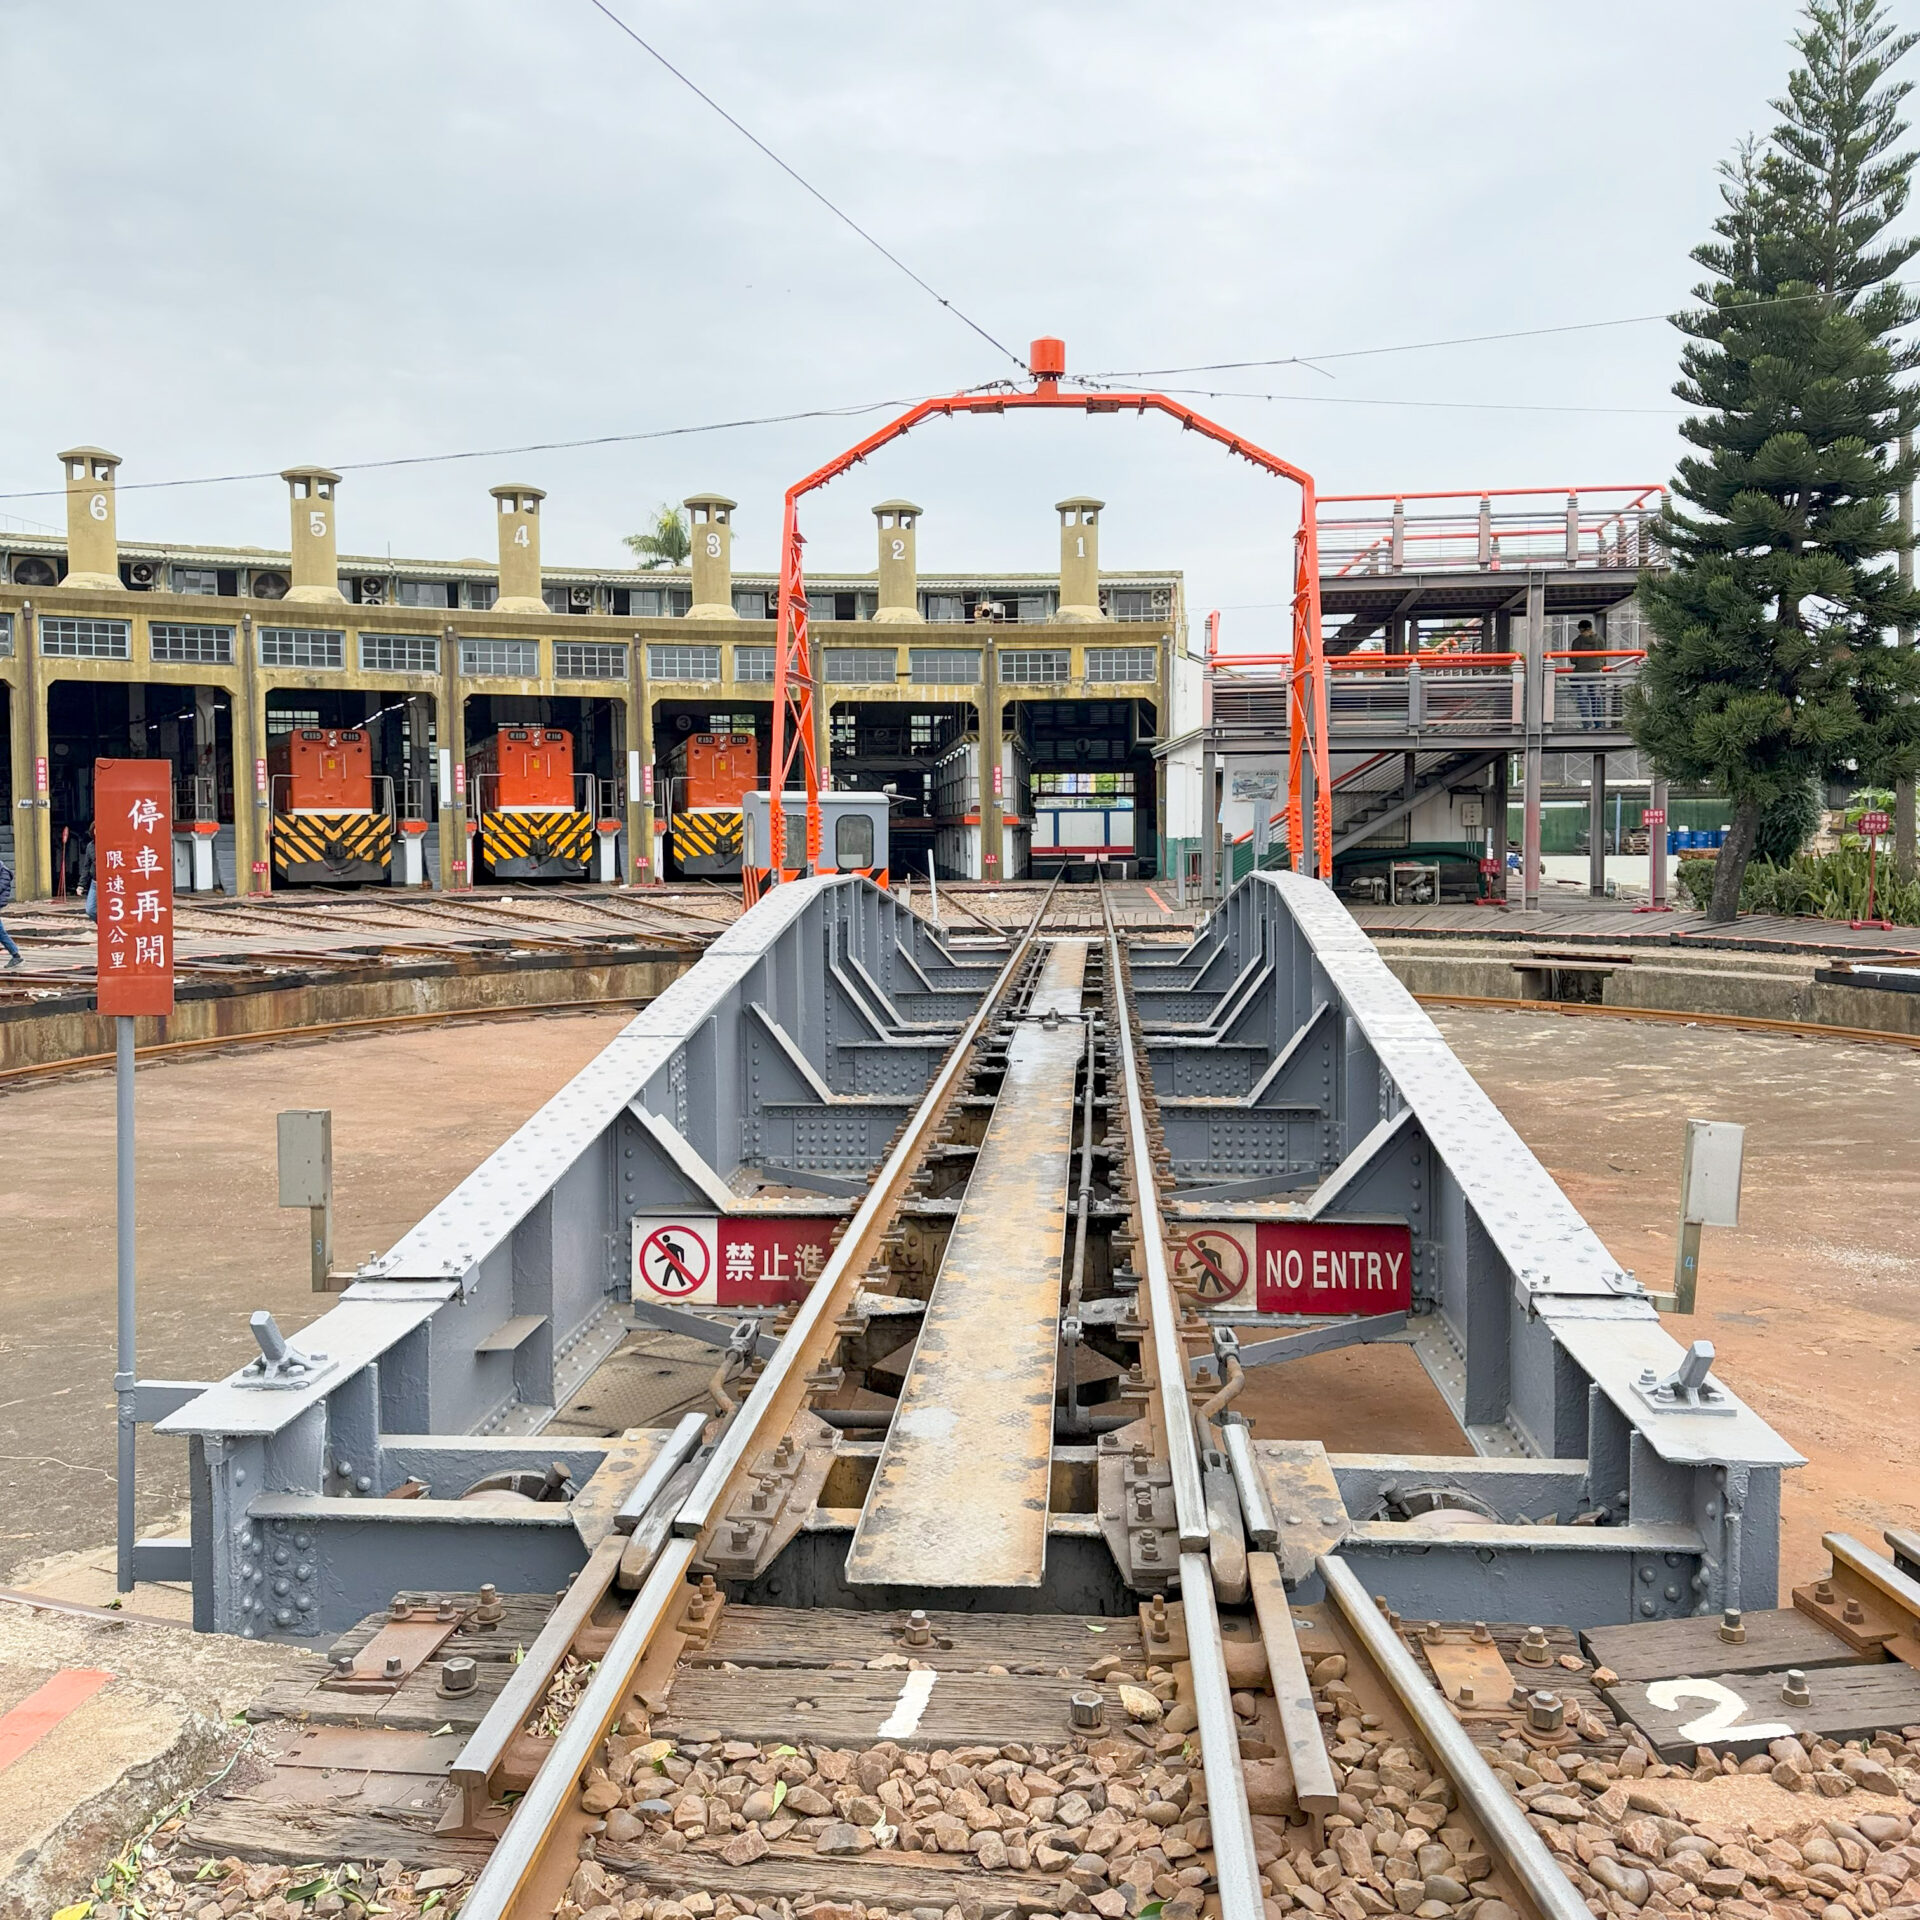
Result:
[728,1260]
[133,874]
[1297,1266]
[1331,1266]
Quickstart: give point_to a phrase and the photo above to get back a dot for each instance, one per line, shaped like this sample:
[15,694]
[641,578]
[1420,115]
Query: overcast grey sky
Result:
[241,235]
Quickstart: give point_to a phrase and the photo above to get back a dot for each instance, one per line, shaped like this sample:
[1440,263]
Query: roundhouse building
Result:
[205,655]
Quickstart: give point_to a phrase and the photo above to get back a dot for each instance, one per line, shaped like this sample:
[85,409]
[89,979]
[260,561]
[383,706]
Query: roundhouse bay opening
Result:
[707,754]
[344,765]
[898,748]
[1091,780]
[89,720]
[542,772]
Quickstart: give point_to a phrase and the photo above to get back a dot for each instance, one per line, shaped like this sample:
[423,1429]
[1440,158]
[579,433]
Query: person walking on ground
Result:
[14,961]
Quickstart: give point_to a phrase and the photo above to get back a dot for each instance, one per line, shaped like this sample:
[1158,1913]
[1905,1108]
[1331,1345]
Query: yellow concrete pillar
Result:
[450,741]
[711,515]
[20,747]
[643,864]
[316,561]
[899,566]
[519,516]
[33,821]
[252,811]
[93,551]
[1079,558]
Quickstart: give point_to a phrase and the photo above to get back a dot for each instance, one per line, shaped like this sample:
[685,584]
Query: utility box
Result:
[1710,1173]
[306,1157]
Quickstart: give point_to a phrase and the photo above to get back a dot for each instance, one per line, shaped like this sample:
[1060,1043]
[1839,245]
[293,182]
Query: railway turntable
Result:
[965,1586]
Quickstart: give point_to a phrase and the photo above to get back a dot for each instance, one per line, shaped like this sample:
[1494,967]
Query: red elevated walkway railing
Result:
[1490,528]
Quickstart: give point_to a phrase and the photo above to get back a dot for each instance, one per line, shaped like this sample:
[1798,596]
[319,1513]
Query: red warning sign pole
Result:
[133,874]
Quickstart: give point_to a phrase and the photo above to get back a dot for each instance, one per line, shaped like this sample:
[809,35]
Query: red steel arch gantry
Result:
[793,676]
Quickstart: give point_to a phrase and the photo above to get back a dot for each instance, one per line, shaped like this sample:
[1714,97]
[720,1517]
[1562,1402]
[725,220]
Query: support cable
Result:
[800,179]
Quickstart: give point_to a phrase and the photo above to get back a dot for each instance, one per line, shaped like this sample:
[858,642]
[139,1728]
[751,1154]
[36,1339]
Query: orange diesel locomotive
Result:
[327,828]
[708,776]
[527,805]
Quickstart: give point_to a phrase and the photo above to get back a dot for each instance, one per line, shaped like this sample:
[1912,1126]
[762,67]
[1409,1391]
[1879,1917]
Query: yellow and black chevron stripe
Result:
[558,836]
[332,844]
[707,842]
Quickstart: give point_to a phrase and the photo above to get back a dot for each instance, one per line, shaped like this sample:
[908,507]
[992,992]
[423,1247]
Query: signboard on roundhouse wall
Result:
[133,878]
[1298,1266]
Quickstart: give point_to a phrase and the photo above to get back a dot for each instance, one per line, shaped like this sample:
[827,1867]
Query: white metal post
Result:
[1597,829]
[1538,715]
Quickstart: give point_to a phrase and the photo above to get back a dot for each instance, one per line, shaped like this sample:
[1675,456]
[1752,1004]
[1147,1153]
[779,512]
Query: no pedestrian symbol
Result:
[674,1261]
[1219,1265]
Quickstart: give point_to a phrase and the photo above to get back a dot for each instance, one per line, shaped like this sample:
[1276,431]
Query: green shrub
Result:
[1826,886]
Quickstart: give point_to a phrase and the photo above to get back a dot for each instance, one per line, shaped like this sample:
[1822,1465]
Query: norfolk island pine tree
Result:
[1775,659]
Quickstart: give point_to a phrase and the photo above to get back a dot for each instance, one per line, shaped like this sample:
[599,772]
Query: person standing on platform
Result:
[1587,696]
[14,961]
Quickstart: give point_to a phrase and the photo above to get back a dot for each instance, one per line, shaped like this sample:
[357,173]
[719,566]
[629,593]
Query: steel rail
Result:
[322,1029]
[1521,1850]
[849,1259]
[1235,1866]
[511,1869]
[1752,1023]
[518,1855]
[1183,1452]
[1236,1871]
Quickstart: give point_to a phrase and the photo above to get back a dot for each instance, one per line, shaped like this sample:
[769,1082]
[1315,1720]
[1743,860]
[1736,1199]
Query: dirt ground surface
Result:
[413,1113]
[1813,1304]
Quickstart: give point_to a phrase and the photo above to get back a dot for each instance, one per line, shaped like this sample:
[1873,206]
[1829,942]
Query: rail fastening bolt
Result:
[1796,1692]
[919,1628]
[1534,1650]
[1732,1628]
[1087,1710]
[1546,1712]
[460,1674]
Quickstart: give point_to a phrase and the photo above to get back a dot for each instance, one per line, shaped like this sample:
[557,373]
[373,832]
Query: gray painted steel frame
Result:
[1290,1060]
[796,1047]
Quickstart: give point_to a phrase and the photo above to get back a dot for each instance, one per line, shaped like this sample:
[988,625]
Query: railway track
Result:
[974,1596]
[670,1734]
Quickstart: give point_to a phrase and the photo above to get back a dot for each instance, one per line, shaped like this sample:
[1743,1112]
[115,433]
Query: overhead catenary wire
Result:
[495,453]
[1450,406]
[1309,360]
[800,179]
[853,411]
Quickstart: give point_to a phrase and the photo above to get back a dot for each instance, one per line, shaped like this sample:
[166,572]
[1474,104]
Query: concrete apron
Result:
[64,1031]
[158,1729]
[1717,985]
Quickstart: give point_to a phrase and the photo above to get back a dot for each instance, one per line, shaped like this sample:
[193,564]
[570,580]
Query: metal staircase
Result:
[1373,793]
